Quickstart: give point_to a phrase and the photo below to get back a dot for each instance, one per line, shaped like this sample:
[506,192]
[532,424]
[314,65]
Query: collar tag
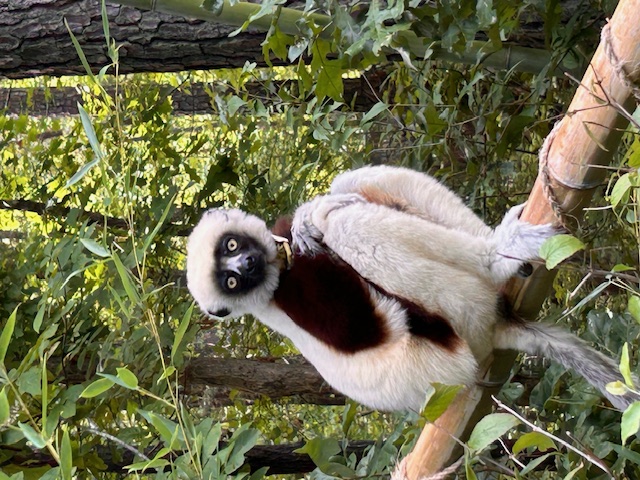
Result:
[284,251]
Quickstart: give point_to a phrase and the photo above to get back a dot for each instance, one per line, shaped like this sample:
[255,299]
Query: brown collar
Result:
[284,251]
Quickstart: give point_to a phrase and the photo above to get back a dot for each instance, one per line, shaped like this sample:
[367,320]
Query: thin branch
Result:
[590,458]
[94,217]
[93,428]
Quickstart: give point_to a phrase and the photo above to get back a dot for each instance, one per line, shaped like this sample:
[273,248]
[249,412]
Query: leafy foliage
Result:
[97,325]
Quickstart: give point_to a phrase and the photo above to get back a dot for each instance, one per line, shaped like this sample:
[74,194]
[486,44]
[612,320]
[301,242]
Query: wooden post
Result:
[588,135]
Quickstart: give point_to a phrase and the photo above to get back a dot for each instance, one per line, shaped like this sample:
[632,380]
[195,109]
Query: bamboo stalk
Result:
[523,59]
[587,136]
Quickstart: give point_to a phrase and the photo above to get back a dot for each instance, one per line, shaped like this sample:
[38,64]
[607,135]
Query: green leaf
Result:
[5,408]
[348,416]
[329,80]
[155,231]
[91,133]
[30,434]
[82,171]
[242,443]
[440,401]
[128,378]
[95,248]
[468,469]
[30,382]
[620,267]
[155,463]
[234,104]
[79,51]
[211,441]
[625,369]
[126,279]
[182,328]
[97,387]
[573,472]
[533,439]
[105,22]
[532,465]
[167,429]
[634,307]
[616,388]
[620,191]
[374,112]
[485,13]
[170,370]
[491,428]
[7,332]
[558,248]
[45,392]
[66,456]
[37,322]
[630,423]
[321,450]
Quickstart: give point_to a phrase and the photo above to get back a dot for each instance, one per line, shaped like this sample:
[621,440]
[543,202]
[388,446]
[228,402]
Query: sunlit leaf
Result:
[538,440]
[630,423]
[66,456]
[128,378]
[81,172]
[91,133]
[558,248]
[620,192]
[440,400]
[182,328]
[625,368]
[151,237]
[7,332]
[94,247]
[634,307]
[168,372]
[490,428]
[81,55]
[126,279]
[5,408]
[616,388]
[30,434]
[156,463]
[374,112]
[97,387]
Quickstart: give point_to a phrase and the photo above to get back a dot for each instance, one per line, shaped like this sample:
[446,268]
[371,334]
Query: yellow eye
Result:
[232,244]
[232,283]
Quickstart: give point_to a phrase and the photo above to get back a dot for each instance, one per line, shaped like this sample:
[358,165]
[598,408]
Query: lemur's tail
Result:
[568,350]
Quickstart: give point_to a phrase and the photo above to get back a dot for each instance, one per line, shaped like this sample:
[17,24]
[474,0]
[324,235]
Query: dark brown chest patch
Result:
[328,299]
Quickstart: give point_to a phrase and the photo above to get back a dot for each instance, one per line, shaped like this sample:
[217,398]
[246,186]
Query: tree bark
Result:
[259,377]
[254,377]
[34,40]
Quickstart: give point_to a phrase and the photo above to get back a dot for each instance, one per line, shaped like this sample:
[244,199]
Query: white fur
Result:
[393,376]
[429,197]
[409,235]
[445,271]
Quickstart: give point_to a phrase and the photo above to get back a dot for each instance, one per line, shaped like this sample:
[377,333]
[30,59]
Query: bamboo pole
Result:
[587,136]
[523,59]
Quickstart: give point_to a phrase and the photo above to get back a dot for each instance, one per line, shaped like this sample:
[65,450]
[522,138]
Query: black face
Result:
[240,263]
